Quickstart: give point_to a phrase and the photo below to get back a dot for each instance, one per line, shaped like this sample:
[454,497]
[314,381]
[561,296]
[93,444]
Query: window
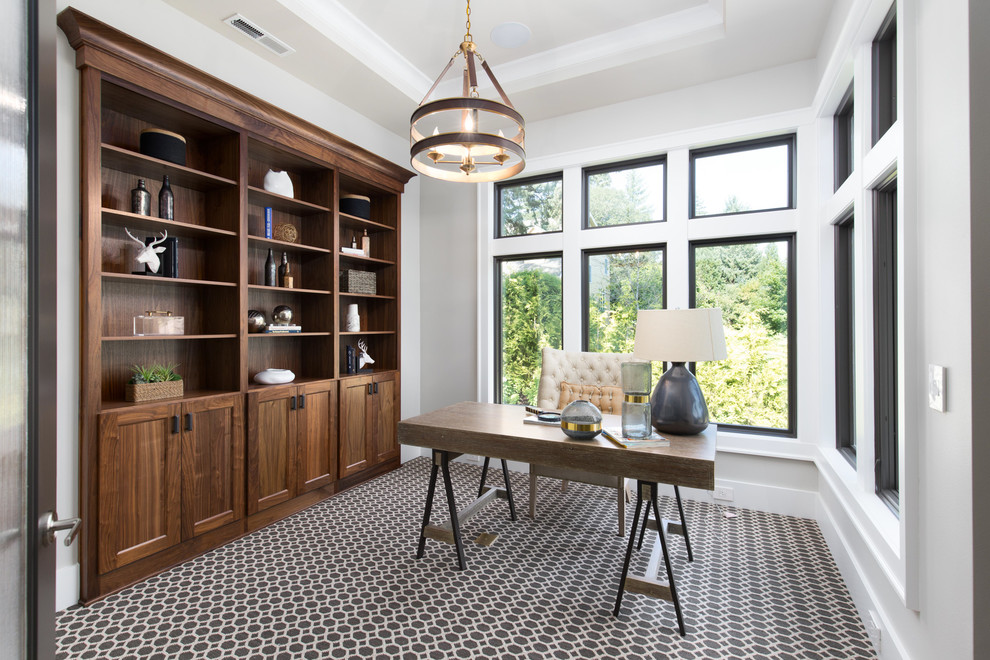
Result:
[842,139]
[845,383]
[624,194]
[752,281]
[757,175]
[617,284]
[885,341]
[528,316]
[885,76]
[529,206]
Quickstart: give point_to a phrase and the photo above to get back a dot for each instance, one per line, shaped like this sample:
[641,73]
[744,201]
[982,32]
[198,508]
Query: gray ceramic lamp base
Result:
[677,404]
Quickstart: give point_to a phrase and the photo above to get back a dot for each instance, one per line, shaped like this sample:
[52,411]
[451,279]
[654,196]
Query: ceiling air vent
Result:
[259,35]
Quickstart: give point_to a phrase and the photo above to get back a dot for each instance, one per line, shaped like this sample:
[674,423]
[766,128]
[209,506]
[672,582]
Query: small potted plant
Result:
[152,382]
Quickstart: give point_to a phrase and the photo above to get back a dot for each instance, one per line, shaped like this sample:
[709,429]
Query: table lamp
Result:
[678,336]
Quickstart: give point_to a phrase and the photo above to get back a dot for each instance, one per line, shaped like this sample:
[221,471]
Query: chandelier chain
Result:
[467,24]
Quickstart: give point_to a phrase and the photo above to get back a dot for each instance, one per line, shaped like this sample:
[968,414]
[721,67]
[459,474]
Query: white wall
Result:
[157,24]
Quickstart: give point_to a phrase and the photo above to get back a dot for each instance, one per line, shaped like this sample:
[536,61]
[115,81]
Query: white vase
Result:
[274,376]
[278,183]
[353,320]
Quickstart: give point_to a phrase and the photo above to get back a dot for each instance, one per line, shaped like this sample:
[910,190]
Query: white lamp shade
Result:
[680,335]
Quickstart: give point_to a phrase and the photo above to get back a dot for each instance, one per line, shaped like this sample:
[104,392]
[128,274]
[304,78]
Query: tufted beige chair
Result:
[577,368]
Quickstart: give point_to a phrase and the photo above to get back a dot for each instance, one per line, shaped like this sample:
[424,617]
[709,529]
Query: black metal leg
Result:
[429,507]
[484,476]
[666,560]
[642,531]
[455,525]
[508,487]
[632,541]
[684,532]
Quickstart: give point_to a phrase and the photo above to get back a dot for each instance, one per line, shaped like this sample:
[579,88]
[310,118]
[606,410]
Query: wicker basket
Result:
[138,392]
[358,281]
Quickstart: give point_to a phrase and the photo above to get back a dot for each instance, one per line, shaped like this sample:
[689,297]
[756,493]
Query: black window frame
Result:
[883,81]
[497,263]
[842,140]
[789,139]
[614,167]
[791,239]
[585,254]
[885,345]
[845,341]
[514,183]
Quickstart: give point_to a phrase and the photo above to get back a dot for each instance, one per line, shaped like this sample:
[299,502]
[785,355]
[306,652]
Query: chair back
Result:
[577,368]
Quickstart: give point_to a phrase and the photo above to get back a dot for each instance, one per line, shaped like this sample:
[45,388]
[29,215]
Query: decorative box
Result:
[163,144]
[358,281]
[159,323]
[138,392]
[358,205]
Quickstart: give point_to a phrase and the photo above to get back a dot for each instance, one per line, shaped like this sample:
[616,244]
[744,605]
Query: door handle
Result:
[292,406]
[369,388]
[189,421]
[50,524]
[376,388]
[302,401]
[175,423]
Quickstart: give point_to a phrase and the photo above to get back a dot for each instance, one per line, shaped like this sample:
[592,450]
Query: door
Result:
[385,416]
[139,484]
[354,424]
[28,347]
[271,447]
[212,464]
[317,431]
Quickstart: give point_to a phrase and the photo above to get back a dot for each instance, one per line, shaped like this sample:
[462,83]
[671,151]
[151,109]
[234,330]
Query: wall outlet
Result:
[724,493]
[874,629]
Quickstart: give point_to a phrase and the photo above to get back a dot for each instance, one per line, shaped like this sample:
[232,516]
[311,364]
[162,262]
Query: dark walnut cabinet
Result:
[163,481]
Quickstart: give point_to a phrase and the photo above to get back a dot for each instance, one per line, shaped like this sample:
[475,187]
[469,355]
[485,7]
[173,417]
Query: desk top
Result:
[497,431]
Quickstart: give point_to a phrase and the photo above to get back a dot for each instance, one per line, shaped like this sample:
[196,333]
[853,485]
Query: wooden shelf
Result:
[256,335]
[367,332]
[282,289]
[293,247]
[373,372]
[146,223]
[365,260]
[344,294]
[354,222]
[188,395]
[168,337]
[261,197]
[152,279]
[254,387]
[147,167]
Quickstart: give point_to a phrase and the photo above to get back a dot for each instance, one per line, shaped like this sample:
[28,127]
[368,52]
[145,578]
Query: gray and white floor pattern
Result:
[341,580]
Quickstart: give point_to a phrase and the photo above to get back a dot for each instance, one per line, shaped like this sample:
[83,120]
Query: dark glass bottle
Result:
[166,201]
[270,271]
[283,270]
[141,199]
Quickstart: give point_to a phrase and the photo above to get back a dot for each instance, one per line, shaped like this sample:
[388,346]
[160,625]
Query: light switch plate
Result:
[936,387]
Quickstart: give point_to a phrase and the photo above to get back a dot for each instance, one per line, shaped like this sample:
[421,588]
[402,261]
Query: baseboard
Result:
[862,594]
[66,587]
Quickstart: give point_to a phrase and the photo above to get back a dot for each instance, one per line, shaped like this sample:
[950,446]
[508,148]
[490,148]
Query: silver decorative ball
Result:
[256,321]
[282,315]
[581,420]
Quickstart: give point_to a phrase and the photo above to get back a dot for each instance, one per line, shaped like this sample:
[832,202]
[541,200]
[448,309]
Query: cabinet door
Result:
[384,444]
[138,484]
[317,429]
[271,447]
[355,422]
[212,464]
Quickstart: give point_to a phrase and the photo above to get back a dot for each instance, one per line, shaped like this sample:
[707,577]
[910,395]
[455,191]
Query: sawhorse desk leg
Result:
[450,532]
[649,585]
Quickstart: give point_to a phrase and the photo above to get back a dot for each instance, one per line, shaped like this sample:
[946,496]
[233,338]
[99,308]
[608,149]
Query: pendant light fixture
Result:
[467,138]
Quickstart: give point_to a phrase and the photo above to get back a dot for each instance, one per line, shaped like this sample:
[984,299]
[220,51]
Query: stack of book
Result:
[283,329]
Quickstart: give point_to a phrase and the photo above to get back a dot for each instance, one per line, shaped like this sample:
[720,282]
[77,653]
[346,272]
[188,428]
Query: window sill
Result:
[773,446]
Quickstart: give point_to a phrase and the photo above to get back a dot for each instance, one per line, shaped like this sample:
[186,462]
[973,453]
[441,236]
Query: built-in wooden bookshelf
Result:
[165,480]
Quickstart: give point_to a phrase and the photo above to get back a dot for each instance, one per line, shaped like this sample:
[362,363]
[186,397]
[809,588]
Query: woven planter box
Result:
[138,392]
[358,281]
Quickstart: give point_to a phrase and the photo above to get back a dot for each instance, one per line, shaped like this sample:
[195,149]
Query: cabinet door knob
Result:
[369,388]
[175,423]
[189,421]
[376,388]
[293,404]
[302,401]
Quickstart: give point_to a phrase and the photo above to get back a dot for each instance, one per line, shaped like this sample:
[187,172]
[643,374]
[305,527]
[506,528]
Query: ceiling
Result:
[380,58]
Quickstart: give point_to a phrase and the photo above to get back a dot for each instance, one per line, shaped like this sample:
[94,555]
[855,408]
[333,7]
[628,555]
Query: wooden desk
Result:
[495,430]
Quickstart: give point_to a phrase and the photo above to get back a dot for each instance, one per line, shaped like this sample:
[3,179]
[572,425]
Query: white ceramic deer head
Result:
[149,253]
[363,358]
